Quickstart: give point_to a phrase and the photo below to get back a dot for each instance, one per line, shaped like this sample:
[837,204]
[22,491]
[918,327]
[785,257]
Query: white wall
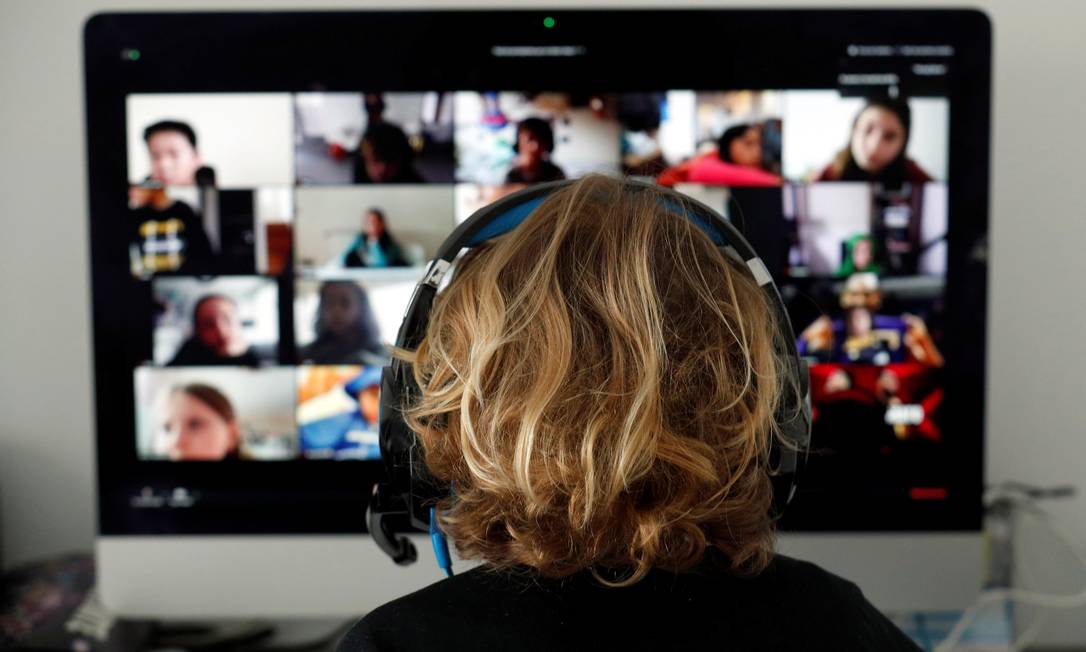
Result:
[1036,413]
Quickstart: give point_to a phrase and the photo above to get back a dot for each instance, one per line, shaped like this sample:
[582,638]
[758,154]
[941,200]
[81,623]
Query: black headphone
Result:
[410,490]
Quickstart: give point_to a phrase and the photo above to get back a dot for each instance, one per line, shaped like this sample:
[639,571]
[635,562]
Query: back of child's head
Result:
[599,387]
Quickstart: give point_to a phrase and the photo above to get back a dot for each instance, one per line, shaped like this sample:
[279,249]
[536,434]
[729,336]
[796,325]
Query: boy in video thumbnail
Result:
[876,148]
[534,145]
[385,156]
[175,160]
[218,337]
[346,331]
[374,246]
[198,424]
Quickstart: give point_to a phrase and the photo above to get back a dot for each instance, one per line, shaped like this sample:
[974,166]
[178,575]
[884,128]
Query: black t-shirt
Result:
[545,171]
[170,240]
[194,353]
[793,605]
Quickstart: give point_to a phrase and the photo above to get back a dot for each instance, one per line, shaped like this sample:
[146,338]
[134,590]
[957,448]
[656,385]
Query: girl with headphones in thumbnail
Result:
[601,393]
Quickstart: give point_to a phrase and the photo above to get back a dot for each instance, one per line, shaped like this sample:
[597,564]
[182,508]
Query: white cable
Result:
[1056,601]
[1029,581]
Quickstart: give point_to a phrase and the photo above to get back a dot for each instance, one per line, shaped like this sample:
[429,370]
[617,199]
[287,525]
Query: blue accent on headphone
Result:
[708,229]
[505,222]
[441,545]
[512,218]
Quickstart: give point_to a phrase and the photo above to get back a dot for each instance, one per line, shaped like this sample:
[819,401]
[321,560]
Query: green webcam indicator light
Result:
[548,22]
[132,54]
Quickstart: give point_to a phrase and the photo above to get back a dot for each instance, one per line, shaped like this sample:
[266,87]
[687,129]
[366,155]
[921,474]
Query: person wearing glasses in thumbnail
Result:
[218,337]
[599,388]
[876,148]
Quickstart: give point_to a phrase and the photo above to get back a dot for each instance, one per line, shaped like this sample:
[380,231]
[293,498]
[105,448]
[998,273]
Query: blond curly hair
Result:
[599,386]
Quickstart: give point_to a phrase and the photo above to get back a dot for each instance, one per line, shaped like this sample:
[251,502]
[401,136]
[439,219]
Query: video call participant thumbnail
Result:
[217,336]
[863,334]
[345,329]
[337,412]
[515,138]
[373,138]
[375,231]
[215,414]
[876,148]
[738,160]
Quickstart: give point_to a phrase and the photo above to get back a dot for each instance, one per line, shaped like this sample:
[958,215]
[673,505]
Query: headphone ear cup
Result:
[394,437]
[401,451]
[788,451]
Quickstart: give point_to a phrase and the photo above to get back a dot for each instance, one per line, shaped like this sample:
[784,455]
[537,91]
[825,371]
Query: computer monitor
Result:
[266,189]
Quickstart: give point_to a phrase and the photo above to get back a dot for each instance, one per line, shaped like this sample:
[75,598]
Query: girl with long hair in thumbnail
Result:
[198,423]
[876,148]
[346,330]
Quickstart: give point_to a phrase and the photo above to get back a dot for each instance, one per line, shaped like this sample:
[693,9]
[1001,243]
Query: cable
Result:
[1029,580]
[440,544]
[1024,498]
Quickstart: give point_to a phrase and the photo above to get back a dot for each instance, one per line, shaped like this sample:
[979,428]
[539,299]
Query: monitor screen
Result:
[262,207]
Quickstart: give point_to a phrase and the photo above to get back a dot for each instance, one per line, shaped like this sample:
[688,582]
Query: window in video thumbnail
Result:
[369,138]
[274,234]
[844,228]
[230,321]
[212,414]
[878,139]
[736,139]
[348,321]
[371,228]
[522,138]
[337,412]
